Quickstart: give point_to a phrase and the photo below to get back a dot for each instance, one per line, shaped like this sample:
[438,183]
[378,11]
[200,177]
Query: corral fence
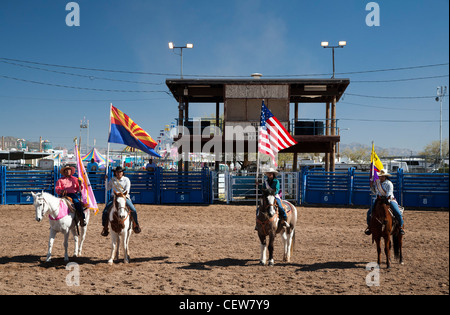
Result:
[306,187]
[158,187]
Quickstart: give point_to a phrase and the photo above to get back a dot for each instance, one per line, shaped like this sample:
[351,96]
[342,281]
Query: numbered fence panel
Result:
[185,188]
[144,187]
[327,188]
[18,185]
[426,190]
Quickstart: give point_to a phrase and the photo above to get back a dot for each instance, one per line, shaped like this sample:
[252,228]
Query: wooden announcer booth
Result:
[241,99]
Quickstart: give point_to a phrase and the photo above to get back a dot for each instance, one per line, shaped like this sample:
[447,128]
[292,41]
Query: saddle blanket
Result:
[63,211]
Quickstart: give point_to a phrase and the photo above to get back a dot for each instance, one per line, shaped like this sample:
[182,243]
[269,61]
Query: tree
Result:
[431,151]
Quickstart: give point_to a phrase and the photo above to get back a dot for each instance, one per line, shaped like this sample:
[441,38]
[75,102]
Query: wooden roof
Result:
[300,90]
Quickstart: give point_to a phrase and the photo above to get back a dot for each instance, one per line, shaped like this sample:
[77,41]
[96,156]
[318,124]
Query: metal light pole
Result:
[342,44]
[190,46]
[441,92]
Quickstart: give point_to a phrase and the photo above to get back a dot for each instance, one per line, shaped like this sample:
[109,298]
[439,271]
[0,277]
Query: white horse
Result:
[121,228]
[61,220]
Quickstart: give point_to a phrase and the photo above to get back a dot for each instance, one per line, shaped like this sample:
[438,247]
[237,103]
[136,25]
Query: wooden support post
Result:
[294,166]
[333,133]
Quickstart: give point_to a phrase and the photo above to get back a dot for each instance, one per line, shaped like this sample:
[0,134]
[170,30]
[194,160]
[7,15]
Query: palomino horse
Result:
[382,225]
[61,220]
[267,225]
[119,219]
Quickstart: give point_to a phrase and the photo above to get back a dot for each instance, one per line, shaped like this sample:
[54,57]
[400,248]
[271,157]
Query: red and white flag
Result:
[273,137]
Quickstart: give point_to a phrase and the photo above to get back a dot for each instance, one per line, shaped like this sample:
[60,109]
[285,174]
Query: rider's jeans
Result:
[77,203]
[281,209]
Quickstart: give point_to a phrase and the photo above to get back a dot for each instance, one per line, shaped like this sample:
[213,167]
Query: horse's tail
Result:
[293,243]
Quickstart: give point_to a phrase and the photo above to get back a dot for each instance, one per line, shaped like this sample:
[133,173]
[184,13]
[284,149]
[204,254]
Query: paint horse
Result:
[121,228]
[61,220]
[383,225]
[267,224]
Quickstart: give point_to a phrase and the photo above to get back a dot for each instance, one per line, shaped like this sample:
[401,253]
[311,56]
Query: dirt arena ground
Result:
[214,250]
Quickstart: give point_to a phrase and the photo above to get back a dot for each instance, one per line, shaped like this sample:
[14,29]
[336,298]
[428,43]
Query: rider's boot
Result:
[136,229]
[105,231]
[367,231]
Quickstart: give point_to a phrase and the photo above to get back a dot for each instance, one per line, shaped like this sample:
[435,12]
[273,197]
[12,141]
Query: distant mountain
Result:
[390,151]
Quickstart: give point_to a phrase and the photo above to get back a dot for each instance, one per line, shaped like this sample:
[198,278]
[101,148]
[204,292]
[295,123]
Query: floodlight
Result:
[342,43]
[189,45]
[170,45]
[324,44]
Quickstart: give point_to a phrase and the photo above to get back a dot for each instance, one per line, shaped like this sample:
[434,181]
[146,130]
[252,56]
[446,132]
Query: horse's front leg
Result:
[66,246]
[263,258]
[378,241]
[271,241]
[113,247]
[51,239]
[83,237]
[285,241]
[125,247]
[75,239]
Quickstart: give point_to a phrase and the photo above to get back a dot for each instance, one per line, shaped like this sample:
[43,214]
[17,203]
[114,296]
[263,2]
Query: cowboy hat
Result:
[66,167]
[383,173]
[271,170]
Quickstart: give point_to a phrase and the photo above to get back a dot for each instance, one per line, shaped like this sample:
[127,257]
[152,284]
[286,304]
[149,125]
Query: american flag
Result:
[273,137]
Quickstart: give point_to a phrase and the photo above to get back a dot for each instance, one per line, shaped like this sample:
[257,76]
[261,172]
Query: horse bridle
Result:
[42,205]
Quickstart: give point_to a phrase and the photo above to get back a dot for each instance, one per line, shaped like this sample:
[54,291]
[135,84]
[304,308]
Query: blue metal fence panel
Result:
[326,187]
[426,190]
[185,188]
[144,187]
[20,184]
[2,185]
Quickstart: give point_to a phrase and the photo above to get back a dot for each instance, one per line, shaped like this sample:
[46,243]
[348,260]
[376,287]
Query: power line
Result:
[78,87]
[389,97]
[221,76]
[391,120]
[400,80]
[390,108]
[79,75]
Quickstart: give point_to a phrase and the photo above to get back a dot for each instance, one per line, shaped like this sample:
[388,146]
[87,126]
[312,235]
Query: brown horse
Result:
[383,225]
[267,224]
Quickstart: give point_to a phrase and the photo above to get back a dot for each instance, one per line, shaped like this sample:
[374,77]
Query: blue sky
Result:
[234,38]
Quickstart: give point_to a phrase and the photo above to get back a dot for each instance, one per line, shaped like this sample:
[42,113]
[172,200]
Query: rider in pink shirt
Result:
[70,186]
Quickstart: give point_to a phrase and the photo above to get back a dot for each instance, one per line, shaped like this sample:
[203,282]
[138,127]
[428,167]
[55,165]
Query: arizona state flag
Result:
[125,131]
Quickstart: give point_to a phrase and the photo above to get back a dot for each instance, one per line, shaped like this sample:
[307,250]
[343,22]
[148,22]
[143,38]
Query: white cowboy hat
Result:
[271,170]
[384,173]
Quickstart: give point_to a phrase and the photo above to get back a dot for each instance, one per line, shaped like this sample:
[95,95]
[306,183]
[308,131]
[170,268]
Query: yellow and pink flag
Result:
[375,165]
[87,195]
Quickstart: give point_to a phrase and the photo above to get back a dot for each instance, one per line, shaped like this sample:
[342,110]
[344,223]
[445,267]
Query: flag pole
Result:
[257,180]
[107,155]
[257,168]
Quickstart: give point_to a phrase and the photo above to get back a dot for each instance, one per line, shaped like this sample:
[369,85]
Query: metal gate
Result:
[18,185]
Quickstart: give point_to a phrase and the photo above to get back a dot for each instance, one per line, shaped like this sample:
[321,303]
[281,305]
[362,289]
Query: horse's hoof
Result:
[271,263]
[262,263]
